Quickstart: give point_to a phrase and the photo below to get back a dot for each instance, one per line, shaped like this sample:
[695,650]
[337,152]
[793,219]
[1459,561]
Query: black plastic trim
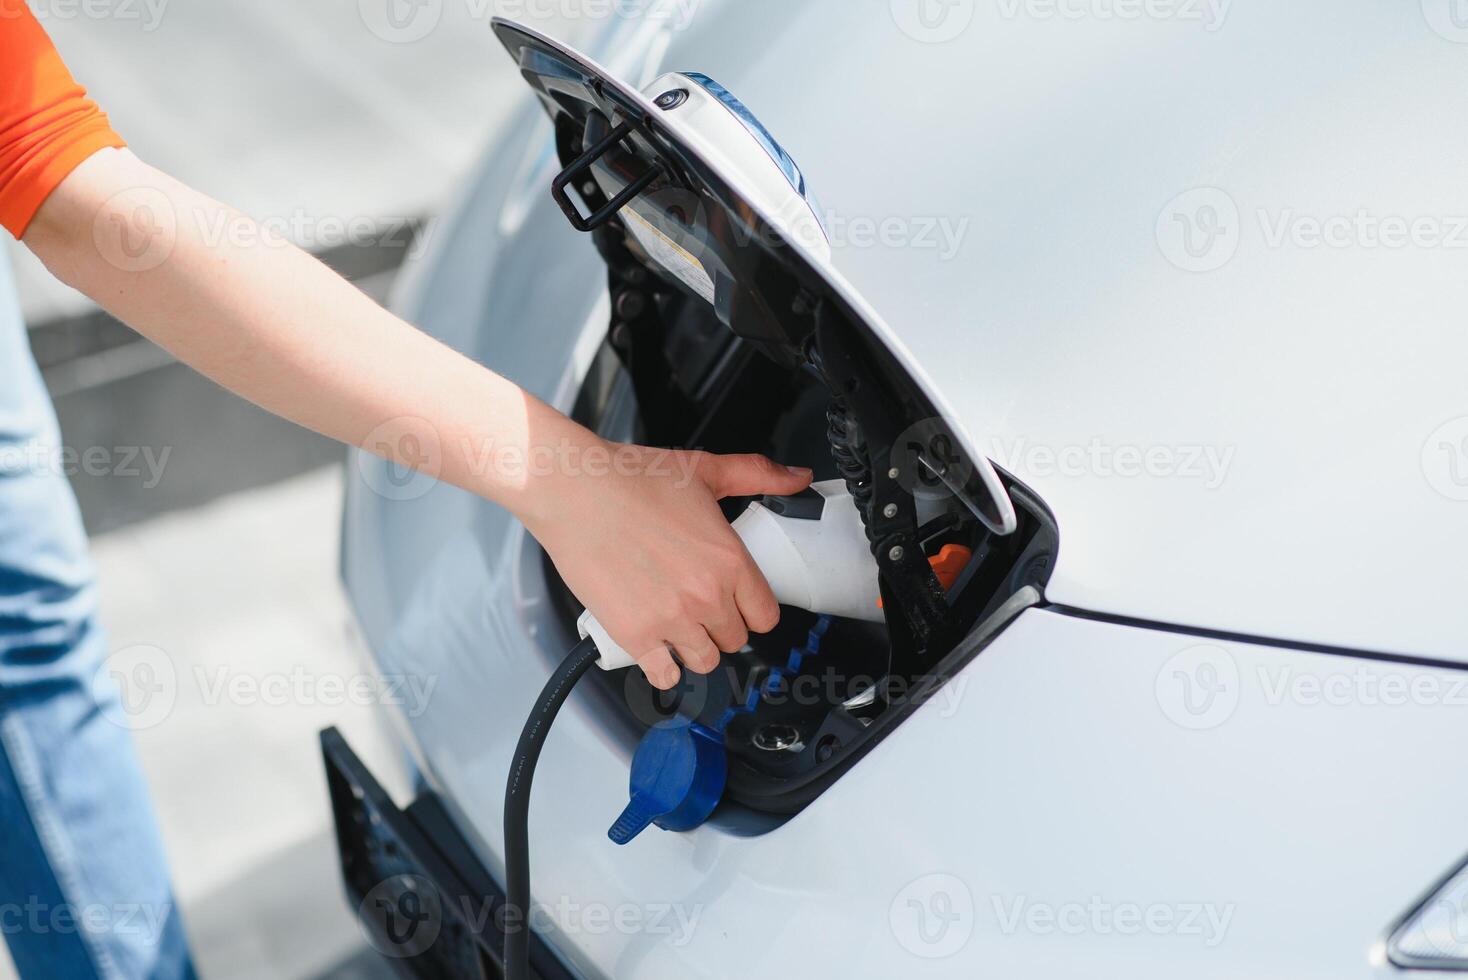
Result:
[380,844]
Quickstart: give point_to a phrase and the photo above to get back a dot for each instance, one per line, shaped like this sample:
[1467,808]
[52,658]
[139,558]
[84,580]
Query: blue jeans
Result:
[84,888]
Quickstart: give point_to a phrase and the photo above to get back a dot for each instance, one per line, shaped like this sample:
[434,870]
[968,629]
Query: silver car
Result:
[1136,331]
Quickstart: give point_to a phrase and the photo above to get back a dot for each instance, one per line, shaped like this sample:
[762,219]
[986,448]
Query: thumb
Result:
[752,475]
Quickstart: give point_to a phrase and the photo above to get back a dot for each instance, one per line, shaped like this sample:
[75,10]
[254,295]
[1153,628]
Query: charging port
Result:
[842,683]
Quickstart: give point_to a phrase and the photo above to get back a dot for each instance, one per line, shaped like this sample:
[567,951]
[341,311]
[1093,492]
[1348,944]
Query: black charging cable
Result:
[517,805]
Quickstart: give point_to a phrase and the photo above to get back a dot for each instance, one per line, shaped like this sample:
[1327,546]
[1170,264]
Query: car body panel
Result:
[1054,768]
[1319,373]
[1291,400]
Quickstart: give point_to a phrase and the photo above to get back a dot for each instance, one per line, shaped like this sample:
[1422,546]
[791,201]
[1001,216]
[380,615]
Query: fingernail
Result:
[801,471]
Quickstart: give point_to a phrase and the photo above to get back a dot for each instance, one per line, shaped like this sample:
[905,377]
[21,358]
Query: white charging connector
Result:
[813,559]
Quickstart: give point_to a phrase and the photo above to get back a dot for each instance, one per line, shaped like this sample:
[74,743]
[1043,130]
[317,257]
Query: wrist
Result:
[555,470]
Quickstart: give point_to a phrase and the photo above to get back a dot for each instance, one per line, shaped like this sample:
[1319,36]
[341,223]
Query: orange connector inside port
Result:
[948,564]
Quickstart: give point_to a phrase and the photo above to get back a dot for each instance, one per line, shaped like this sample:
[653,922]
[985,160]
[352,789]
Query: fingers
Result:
[697,651]
[752,475]
[662,672]
[757,605]
[727,629]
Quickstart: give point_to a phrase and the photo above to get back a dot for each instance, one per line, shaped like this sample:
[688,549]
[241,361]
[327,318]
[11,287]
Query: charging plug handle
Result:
[815,560]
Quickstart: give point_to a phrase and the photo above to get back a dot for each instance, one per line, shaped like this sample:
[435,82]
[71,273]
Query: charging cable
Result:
[517,805]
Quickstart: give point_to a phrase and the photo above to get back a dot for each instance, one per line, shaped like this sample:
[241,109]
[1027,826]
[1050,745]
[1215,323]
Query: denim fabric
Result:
[84,888]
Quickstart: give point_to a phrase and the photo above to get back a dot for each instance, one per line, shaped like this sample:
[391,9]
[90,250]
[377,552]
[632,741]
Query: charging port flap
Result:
[685,177]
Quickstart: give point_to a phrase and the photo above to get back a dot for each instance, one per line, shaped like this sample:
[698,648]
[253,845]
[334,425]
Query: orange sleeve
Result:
[47,124]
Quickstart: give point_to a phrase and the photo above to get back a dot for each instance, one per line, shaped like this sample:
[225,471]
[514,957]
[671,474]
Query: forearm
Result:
[271,323]
[645,547]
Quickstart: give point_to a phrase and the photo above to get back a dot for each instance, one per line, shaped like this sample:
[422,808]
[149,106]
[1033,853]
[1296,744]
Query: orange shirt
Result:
[47,124]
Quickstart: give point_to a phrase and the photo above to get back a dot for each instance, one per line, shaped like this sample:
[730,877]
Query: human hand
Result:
[646,548]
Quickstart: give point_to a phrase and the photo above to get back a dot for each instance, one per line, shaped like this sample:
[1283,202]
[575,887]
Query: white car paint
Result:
[1076,763]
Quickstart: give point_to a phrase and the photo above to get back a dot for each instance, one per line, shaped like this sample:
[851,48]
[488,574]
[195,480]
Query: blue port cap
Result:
[678,775]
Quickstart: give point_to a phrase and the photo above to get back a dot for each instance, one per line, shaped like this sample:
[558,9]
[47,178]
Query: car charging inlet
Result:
[815,554]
